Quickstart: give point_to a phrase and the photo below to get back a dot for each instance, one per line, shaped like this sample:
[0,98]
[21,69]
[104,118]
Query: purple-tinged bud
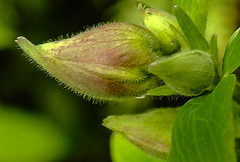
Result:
[108,62]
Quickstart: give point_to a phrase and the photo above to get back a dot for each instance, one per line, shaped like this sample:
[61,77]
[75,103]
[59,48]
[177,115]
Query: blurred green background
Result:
[40,121]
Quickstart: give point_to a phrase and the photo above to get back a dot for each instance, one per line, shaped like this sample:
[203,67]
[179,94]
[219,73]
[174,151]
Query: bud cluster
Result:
[120,60]
[108,62]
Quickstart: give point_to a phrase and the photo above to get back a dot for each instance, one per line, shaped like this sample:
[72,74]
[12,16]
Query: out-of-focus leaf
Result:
[10,17]
[223,19]
[7,34]
[231,60]
[150,131]
[28,137]
[197,10]
[203,130]
[123,151]
[125,10]
[195,38]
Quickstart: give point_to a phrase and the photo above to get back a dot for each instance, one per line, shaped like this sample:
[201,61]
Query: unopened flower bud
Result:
[161,23]
[107,62]
[188,73]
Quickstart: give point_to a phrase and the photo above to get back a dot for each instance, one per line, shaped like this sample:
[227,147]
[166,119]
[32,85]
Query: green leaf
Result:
[231,59]
[195,38]
[162,91]
[197,10]
[122,151]
[203,130]
[150,131]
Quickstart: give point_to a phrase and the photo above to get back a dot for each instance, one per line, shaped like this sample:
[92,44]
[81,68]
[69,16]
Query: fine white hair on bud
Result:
[108,62]
[189,73]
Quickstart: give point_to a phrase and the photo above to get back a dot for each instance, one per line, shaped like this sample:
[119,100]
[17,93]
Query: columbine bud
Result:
[161,24]
[188,73]
[104,63]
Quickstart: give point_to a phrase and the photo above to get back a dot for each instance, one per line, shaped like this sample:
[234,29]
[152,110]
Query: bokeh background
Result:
[40,121]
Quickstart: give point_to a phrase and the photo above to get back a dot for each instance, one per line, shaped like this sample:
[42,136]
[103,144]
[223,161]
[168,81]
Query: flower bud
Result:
[188,73]
[150,131]
[104,63]
[161,24]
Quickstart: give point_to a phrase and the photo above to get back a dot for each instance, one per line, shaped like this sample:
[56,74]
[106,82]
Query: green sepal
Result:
[150,131]
[197,10]
[181,38]
[195,39]
[231,60]
[162,91]
[213,50]
[189,73]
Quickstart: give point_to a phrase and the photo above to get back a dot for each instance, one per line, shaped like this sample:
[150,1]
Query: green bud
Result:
[108,62]
[161,23]
[188,73]
[150,131]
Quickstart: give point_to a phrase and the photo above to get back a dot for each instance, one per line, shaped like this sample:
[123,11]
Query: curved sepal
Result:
[188,73]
